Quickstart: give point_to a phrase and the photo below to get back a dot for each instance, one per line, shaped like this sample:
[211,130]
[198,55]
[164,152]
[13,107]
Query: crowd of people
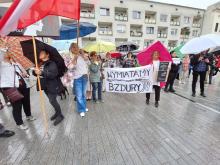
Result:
[86,76]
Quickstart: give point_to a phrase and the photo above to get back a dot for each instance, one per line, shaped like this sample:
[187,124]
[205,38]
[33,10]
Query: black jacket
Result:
[195,62]
[49,78]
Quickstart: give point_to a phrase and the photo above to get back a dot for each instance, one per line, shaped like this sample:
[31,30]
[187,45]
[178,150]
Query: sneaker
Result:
[58,120]
[82,114]
[166,90]
[23,127]
[6,134]
[156,104]
[147,102]
[87,110]
[30,118]
[101,101]
[193,95]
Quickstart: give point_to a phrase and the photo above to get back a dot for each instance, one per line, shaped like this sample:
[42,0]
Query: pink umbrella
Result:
[145,56]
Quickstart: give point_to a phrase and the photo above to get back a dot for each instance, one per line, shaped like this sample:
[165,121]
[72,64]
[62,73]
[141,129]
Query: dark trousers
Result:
[96,86]
[25,103]
[53,101]
[157,93]
[195,79]
[170,80]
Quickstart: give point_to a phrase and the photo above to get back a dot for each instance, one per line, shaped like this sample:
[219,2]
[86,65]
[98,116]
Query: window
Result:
[104,11]
[147,43]
[163,17]
[174,32]
[216,27]
[121,28]
[195,33]
[150,30]
[187,20]
[136,15]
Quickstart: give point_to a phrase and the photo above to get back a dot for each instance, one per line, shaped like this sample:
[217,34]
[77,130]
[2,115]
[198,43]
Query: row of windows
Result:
[137,15]
[151,30]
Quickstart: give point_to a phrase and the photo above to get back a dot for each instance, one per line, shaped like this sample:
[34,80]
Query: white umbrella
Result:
[200,44]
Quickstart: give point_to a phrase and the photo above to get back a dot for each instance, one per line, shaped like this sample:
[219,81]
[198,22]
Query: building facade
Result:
[141,21]
[212,19]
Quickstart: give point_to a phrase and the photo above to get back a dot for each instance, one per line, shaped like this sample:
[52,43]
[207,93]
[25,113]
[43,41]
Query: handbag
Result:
[12,93]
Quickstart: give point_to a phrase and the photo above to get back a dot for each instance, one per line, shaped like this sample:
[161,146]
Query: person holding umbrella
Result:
[80,65]
[200,66]
[49,79]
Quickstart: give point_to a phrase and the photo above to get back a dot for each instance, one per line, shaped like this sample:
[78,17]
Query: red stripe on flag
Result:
[9,12]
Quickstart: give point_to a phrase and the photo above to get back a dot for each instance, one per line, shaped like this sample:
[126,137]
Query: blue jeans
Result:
[96,86]
[80,85]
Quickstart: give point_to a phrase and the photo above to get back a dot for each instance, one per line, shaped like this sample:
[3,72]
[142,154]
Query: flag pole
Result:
[78,32]
[42,101]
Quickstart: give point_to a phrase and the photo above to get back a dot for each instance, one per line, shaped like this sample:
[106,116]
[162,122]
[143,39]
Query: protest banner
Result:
[163,71]
[129,80]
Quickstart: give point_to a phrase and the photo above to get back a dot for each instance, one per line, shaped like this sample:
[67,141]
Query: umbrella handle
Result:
[42,101]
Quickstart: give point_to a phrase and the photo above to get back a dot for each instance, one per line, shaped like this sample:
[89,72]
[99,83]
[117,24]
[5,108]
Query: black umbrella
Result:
[127,47]
[27,47]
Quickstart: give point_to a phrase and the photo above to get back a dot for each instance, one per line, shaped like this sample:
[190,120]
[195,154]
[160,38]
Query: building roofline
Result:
[174,5]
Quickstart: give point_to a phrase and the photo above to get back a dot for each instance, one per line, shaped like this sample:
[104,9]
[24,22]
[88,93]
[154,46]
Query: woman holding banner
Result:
[156,84]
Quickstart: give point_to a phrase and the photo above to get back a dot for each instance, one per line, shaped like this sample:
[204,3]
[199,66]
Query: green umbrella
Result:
[178,52]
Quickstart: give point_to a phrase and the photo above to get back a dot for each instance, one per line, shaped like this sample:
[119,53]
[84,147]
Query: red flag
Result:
[23,13]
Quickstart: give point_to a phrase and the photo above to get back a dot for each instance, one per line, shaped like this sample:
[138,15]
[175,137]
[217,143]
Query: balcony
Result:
[185,33]
[87,11]
[184,36]
[150,17]
[174,23]
[172,44]
[105,29]
[162,32]
[196,25]
[175,20]
[121,14]
[197,21]
[162,35]
[136,31]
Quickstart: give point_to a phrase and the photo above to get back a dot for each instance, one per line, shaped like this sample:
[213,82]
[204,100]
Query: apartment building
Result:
[141,21]
[212,19]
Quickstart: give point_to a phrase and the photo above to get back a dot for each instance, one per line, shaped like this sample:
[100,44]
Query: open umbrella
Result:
[127,47]
[200,44]
[178,52]
[100,47]
[115,54]
[69,31]
[14,49]
[27,47]
[145,56]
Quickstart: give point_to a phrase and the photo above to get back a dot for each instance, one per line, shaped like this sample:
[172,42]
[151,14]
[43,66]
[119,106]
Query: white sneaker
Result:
[30,118]
[82,114]
[87,110]
[23,127]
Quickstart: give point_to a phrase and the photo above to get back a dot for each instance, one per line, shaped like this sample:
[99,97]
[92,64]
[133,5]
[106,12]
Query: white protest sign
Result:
[129,80]
[176,60]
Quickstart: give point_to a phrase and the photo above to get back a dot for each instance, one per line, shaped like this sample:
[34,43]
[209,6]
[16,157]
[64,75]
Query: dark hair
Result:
[45,51]
[93,53]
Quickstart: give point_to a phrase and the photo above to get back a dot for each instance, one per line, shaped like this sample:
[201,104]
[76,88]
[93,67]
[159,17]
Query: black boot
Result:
[147,102]
[193,94]
[58,120]
[53,117]
[172,90]
[202,94]
[156,104]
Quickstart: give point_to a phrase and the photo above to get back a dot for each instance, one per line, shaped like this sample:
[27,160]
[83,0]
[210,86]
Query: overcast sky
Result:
[192,3]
